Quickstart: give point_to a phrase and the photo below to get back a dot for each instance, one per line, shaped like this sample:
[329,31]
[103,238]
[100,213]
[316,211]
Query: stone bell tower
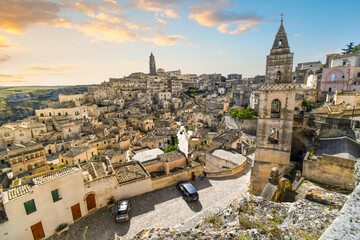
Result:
[276,113]
[279,63]
[152,65]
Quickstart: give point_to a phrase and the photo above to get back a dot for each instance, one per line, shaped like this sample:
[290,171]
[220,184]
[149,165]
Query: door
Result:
[90,202]
[37,231]
[76,211]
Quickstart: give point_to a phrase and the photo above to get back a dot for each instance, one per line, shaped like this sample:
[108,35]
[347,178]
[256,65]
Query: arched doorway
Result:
[90,201]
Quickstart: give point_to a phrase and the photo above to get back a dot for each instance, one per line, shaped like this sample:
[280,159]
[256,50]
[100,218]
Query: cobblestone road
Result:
[164,207]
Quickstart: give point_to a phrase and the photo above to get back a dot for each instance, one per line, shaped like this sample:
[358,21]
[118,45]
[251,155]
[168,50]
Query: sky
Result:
[76,42]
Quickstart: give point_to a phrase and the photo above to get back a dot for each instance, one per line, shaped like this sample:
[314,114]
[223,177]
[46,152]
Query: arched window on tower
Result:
[278,76]
[273,136]
[275,109]
[280,43]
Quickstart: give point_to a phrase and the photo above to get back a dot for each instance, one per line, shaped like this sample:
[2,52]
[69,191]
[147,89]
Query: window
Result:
[56,195]
[30,206]
[329,89]
[69,129]
[273,136]
[41,114]
[42,131]
[333,77]
[66,113]
[59,114]
[50,114]
[278,76]
[21,134]
[344,63]
[358,74]
[275,109]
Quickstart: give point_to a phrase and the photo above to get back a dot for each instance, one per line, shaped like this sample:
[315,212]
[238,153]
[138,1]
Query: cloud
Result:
[4,58]
[224,28]
[161,21]
[244,26]
[166,41]
[214,13]
[17,15]
[49,69]
[296,35]
[155,5]
[108,6]
[105,17]
[222,52]
[170,13]
[130,64]
[4,42]
[4,78]
[105,31]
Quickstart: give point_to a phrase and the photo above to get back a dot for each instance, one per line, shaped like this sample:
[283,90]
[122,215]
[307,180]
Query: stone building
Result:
[280,61]
[77,155]
[27,157]
[341,72]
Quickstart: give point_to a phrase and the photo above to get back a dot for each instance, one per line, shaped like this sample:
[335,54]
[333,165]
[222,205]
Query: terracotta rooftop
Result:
[171,156]
[130,172]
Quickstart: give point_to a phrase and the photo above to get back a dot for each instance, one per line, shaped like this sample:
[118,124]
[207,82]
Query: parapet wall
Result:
[330,170]
[173,178]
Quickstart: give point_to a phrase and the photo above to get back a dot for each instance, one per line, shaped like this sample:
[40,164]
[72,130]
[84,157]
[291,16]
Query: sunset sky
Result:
[68,42]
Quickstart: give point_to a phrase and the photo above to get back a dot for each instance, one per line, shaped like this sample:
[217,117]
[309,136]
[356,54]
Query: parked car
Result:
[188,191]
[122,211]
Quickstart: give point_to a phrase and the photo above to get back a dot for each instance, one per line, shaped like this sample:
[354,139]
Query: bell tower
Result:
[276,115]
[152,65]
[279,63]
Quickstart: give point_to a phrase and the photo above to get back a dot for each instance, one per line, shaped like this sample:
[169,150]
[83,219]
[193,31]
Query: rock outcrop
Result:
[256,218]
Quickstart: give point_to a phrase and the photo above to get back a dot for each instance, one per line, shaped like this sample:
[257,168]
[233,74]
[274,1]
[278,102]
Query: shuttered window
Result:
[30,206]
[56,195]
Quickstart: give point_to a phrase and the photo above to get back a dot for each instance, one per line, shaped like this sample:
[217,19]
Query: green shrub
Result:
[61,227]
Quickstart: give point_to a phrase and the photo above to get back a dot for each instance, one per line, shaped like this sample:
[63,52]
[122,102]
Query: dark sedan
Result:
[188,191]
[122,211]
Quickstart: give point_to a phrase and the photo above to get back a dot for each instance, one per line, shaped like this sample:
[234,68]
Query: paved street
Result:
[164,207]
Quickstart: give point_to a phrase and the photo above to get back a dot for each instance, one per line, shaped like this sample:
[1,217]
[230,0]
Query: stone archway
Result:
[90,201]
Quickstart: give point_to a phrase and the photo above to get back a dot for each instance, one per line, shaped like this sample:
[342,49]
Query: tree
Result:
[233,112]
[248,113]
[223,79]
[349,48]
[356,49]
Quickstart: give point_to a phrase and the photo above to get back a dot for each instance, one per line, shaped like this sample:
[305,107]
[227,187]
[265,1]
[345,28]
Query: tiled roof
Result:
[53,175]
[171,156]
[16,192]
[130,172]
[76,151]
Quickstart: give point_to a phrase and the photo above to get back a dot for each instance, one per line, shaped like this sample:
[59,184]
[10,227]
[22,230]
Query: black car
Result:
[188,191]
[122,211]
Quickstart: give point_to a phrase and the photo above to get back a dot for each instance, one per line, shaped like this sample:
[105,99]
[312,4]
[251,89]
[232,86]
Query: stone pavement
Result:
[164,207]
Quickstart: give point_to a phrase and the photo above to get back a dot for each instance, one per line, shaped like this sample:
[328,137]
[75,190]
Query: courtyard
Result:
[164,207]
